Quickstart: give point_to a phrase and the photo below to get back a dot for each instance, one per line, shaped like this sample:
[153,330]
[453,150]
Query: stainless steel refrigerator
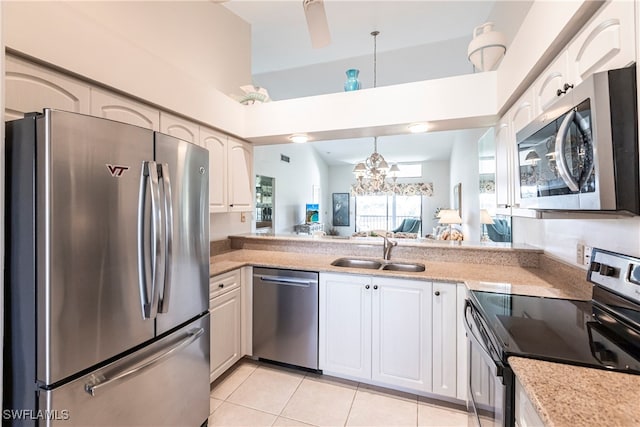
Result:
[108,272]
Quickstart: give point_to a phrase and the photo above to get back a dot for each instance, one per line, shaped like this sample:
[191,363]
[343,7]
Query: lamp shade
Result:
[449,216]
[485,218]
[487,47]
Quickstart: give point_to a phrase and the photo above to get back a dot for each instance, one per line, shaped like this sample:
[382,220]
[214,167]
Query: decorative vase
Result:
[352,82]
[487,47]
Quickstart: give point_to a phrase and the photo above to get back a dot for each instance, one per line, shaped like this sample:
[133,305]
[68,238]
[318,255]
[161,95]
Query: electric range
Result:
[603,333]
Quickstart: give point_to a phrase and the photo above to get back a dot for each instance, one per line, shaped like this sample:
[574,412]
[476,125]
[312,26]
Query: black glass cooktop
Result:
[569,331]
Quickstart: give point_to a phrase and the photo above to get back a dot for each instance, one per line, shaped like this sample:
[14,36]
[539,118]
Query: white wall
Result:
[222,225]
[559,237]
[437,172]
[431,61]
[182,56]
[294,182]
[464,169]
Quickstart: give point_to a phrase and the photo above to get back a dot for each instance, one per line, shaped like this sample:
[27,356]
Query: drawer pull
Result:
[437,293]
[221,285]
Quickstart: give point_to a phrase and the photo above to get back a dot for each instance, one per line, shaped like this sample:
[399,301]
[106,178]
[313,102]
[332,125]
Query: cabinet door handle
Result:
[437,293]
[566,87]
[221,285]
[375,286]
[366,286]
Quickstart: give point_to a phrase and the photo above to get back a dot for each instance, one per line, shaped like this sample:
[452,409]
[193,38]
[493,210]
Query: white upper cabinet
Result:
[216,143]
[31,88]
[606,42]
[523,112]
[240,175]
[230,172]
[110,106]
[179,127]
[552,80]
[504,149]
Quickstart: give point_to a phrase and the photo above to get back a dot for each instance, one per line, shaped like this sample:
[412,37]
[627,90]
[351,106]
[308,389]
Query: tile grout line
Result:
[351,406]
[288,400]
[226,398]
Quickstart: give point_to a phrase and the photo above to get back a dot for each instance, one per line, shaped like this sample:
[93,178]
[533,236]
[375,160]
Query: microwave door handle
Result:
[561,161]
[583,127]
[165,290]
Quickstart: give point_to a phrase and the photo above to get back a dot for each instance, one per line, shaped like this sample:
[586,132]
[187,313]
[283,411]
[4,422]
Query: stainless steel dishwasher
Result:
[285,316]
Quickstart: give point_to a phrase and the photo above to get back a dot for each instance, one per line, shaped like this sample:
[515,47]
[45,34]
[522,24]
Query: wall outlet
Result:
[580,253]
[586,255]
[243,217]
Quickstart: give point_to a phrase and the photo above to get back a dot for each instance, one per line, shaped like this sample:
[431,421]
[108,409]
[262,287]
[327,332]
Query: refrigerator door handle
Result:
[148,293]
[165,291]
[129,372]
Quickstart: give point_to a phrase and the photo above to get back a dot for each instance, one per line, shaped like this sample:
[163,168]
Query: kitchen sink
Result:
[404,266]
[376,265]
[357,263]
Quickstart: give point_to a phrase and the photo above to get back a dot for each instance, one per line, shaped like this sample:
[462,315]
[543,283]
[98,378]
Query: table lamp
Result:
[485,219]
[449,216]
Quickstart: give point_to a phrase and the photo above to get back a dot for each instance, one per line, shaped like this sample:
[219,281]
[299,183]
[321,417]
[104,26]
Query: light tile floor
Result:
[260,394]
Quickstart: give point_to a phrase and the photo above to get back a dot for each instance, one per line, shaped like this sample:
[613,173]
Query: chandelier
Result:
[372,173]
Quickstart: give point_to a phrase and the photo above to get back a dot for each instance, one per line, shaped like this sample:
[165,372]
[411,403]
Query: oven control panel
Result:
[616,272]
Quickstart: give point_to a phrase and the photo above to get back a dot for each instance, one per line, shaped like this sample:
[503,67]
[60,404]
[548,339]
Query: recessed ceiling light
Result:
[299,138]
[418,127]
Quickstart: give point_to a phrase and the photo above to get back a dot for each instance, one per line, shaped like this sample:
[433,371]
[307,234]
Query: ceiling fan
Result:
[317,23]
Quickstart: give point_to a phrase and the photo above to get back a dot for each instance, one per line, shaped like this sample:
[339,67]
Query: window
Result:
[409,170]
[386,212]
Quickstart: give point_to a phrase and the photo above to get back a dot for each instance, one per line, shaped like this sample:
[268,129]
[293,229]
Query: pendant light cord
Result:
[375,67]
[375,59]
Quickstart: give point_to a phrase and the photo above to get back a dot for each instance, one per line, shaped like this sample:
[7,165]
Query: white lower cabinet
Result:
[345,325]
[525,414]
[401,333]
[444,317]
[225,311]
[394,332]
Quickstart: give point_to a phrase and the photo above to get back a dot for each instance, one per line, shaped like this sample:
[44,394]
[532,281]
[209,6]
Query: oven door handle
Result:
[486,351]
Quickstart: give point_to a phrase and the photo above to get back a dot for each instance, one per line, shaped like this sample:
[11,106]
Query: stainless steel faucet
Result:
[387,246]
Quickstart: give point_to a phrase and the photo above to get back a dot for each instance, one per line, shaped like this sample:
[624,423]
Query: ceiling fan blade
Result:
[317,23]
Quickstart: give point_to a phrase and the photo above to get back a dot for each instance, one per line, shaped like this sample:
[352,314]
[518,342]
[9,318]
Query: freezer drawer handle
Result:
[138,369]
[286,281]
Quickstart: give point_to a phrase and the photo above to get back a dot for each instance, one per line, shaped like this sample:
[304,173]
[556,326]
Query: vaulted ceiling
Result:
[419,40]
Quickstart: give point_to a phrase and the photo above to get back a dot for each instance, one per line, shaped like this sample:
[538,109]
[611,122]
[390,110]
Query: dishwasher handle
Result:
[287,281]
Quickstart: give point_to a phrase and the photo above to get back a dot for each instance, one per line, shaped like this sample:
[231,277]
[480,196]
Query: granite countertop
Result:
[419,242]
[567,395]
[486,277]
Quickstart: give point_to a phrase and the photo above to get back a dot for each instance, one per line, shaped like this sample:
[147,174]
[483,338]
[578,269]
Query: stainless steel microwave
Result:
[582,154]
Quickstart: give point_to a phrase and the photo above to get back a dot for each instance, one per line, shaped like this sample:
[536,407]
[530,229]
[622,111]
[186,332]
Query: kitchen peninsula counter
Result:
[478,276]
[567,395]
